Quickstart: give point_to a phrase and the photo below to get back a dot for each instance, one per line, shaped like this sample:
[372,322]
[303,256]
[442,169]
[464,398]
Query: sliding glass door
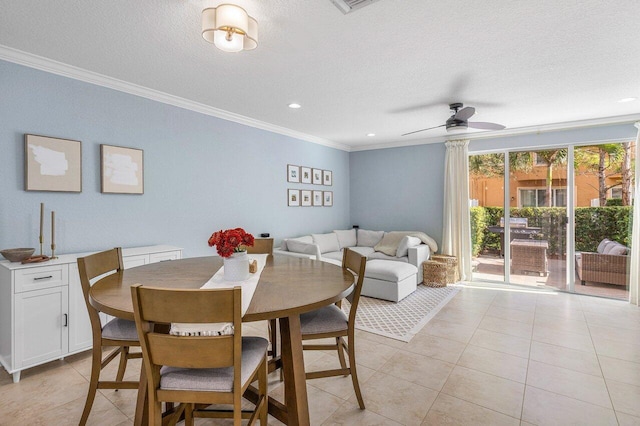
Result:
[557,217]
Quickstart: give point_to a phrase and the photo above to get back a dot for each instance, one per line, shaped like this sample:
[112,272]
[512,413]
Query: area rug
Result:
[402,320]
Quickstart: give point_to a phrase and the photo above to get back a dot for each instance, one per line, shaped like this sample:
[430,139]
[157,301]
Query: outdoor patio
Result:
[490,267]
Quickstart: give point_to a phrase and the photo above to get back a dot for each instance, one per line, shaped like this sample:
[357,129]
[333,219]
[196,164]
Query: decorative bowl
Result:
[17,254]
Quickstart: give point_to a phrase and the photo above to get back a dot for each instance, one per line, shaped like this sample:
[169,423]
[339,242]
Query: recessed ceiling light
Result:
[623,100]
[295,106]
[371,134]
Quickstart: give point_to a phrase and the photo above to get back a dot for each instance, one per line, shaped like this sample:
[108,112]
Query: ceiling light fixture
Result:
[623,100]
[229,28]
[371,134]
[295,106]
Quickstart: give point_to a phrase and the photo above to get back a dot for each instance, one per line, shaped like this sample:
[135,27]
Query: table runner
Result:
[217,282]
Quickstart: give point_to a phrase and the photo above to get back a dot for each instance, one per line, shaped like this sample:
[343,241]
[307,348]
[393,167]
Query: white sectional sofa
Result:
[398,257]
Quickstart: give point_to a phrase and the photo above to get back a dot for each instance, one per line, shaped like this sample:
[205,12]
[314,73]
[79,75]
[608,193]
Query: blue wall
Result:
[201,173]
[399,189]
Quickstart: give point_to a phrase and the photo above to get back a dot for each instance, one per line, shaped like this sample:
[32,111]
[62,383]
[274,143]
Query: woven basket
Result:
[452,266]
[434,273]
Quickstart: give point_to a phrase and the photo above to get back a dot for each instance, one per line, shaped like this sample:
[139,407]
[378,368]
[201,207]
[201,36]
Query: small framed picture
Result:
[293,173]
[305,198]
[317,176]
[305,174]
[52,164]
[317,198]
[327,198]
[294,197]
[327,177]
[121,170]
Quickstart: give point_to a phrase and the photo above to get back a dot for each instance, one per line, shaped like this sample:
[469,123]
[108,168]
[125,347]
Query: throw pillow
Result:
[346,238]
[326,242]
[602,245]
[306,239]
[369,238]
[617,249]
[406,243]
[300,247]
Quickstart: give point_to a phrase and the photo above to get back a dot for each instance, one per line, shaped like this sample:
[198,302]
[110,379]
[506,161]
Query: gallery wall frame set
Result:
[55,164]
[309,198]
[303,174]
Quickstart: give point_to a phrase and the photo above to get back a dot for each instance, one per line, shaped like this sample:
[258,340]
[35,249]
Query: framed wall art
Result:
[293,173]
[317,176]
[317,198]
[305,174]
[293,196]
[52,164]
[327,198]
[305,198]
[327,177]
[121,170]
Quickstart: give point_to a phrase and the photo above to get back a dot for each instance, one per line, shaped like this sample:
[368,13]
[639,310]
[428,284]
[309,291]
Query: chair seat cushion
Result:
[254,349]
[120,329]
[324,320]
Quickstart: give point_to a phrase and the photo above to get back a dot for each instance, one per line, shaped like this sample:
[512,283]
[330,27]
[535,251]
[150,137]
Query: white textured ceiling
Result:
[388,68]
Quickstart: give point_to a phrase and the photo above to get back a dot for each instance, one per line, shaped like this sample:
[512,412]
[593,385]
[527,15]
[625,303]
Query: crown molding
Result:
[594,122]
[49,65]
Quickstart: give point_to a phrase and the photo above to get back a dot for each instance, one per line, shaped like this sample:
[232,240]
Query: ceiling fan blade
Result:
[464,113]
[410,133]
[484,125]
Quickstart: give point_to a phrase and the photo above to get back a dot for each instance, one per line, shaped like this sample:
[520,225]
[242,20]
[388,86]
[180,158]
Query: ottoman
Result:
[389,280]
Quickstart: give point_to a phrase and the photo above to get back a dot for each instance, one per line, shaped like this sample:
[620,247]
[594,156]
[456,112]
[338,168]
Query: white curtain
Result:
[456,233]
[634,275]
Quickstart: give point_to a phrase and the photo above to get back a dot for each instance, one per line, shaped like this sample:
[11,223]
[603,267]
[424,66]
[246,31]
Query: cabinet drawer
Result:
[164,256]
[41,277]
[133,261]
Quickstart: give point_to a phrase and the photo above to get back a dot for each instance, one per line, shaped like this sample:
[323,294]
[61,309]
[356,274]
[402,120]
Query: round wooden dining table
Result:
[288,286]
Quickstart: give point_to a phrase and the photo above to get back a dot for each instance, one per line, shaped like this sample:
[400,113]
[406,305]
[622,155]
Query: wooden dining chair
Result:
[331,322]
[261,246]
[117,332]
[265,246]
[198,371]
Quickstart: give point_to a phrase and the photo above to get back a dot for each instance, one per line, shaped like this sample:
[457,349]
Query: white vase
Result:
[236,267]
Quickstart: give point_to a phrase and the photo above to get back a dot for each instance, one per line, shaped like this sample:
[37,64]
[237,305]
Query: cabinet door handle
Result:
[43,278]
[66,320]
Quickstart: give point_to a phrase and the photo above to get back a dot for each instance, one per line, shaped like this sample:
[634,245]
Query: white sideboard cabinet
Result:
[43,316]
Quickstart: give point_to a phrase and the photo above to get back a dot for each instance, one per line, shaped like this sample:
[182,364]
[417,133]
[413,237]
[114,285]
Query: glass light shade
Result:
[230,16]
[457,129]
[233,45]
[229,20]
[251,39]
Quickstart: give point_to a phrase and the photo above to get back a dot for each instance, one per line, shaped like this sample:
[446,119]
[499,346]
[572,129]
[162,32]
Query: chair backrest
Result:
[261,246]
[356,264]
[92,266]
[165,306]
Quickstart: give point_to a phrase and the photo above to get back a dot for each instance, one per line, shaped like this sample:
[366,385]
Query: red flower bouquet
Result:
[230,241]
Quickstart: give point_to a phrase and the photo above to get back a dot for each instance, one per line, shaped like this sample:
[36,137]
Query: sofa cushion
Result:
[389,271]
[306,239]
[405,244]
[616,249]
[369,238]
[381,256]
[602,245]
[334,255]
[363,251]
[326,242]
[347,238]
[296,246]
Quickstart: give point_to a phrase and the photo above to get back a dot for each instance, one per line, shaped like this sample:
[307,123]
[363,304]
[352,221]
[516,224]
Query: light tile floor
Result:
[494,355]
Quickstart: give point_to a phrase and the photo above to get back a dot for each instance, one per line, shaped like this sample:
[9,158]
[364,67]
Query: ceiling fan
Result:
[459,121]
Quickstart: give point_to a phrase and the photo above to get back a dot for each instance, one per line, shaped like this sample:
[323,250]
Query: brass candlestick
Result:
[53,252]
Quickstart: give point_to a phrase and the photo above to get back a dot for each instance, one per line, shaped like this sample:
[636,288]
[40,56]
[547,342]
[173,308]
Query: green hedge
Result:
[592,225]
